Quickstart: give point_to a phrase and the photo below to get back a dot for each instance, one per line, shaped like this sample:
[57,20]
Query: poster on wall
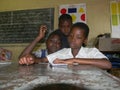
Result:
[115,18]
[77,11]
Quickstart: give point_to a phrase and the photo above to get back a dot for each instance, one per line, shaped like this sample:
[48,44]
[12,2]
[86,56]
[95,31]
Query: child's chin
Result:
[73,47]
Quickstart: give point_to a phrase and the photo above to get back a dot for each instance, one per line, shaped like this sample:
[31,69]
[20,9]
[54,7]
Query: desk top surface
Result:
[18,77]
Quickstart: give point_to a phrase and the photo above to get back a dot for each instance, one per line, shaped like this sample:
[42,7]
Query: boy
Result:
[53,44]
[65,23]
[77,53]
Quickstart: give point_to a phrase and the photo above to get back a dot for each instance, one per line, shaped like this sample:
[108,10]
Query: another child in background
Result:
[5,55]
[53,44]
[65,23]
[77,53]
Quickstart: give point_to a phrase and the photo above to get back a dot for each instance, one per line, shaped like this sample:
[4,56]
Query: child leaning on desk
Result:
[53,44]
[77,53]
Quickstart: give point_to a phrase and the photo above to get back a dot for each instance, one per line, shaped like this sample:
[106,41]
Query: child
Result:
[65,23]
[77,53]
[53,44]
[5,55]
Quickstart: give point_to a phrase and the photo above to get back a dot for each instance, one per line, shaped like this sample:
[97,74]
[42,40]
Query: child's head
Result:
[65,23]
[78,35]
[53,42]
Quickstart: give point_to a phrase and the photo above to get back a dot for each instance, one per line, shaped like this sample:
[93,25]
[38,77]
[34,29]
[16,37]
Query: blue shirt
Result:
[41,53]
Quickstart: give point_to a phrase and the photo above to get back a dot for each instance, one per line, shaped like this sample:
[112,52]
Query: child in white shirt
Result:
[77,53]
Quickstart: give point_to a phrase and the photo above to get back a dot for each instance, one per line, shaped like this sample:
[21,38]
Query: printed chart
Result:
[115,18]
[77,11]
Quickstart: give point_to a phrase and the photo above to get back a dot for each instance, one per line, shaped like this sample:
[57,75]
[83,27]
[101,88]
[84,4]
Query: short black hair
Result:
[82,26]
[65,17]
[54,33]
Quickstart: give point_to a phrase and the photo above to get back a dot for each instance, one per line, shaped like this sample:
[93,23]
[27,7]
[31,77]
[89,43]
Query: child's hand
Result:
[69,61]
[28,59]
[58,61]
[63,61]
[42,31]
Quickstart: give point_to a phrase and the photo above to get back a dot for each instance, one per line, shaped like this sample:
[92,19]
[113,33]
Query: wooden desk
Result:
[16,77]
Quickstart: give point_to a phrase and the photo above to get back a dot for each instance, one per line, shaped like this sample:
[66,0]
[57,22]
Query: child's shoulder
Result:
[64,50]
[89,49]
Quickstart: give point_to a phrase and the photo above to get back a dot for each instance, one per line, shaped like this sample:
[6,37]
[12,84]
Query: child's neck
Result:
[49,52]
[75,51]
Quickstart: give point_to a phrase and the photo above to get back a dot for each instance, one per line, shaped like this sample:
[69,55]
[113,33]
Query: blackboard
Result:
[22,26]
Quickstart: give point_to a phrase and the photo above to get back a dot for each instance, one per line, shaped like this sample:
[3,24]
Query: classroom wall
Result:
[98,16]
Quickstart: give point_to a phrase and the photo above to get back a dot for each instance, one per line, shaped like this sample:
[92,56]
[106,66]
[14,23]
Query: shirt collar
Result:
[80,51]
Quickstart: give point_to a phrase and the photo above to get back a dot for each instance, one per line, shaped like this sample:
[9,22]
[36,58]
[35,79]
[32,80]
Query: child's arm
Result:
[30,59]
[39,60]
[31,46]
[101,63]
[27,59]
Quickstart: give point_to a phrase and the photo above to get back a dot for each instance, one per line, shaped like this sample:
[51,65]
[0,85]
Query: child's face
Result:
[65,26]
[53,43]
[76,38]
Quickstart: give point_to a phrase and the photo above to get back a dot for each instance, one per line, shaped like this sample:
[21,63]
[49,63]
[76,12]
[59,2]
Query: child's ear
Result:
[85,41]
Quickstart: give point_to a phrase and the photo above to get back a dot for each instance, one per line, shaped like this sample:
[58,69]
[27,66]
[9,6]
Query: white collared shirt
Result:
[84,52]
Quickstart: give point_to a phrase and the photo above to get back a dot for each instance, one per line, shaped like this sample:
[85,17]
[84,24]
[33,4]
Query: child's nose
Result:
[73,38]
[55,44]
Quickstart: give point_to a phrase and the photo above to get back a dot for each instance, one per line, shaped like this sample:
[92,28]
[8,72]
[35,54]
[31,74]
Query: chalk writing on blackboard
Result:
[22,26]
